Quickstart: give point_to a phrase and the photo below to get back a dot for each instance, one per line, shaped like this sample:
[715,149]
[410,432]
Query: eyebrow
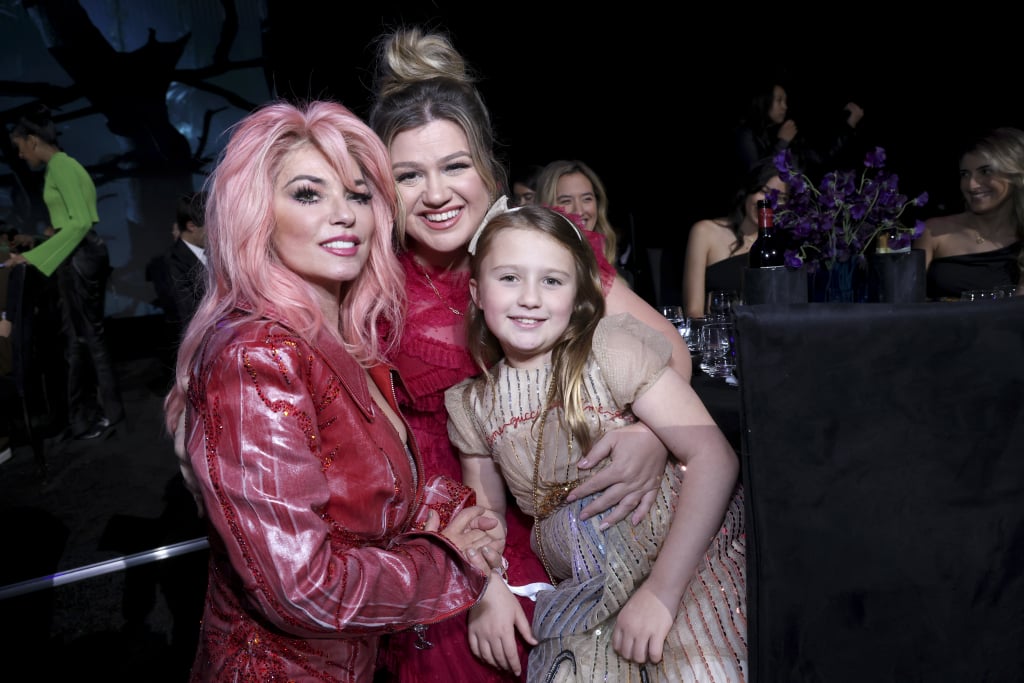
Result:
[317,180]
[442,160]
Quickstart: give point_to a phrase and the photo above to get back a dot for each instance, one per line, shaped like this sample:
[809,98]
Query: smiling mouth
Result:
[443,216]
[338,244]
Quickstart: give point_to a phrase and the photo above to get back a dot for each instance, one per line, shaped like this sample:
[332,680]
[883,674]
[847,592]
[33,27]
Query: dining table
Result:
[721,397]
[881,454]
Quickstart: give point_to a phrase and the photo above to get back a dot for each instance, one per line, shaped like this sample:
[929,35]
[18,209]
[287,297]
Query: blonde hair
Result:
[420,78]
[547,194]
[1004,149]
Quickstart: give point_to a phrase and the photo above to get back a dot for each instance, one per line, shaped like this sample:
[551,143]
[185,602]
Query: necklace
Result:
[430,282]
[536,479]
[979,238]
[554,497]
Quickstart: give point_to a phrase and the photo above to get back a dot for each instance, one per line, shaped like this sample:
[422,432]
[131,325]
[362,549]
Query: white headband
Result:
[500,207]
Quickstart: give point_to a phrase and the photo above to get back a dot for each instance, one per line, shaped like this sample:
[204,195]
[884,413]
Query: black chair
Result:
[883,462]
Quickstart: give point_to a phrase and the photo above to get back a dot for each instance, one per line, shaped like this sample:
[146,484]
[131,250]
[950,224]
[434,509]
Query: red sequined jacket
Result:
[309,493]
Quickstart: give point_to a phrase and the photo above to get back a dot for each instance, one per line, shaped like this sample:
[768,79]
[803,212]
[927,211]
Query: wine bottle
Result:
[767,251]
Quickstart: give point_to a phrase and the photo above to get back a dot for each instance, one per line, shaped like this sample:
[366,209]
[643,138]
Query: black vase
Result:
[839,282]
[774,286]
[897,278]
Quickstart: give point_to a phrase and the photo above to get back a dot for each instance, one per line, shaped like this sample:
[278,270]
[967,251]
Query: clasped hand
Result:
[477,532]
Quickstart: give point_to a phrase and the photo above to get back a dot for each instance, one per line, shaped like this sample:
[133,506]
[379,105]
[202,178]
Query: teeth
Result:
[339,245]
[447,215]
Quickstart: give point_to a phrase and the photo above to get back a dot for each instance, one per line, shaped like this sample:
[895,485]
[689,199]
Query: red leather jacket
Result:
[309,493]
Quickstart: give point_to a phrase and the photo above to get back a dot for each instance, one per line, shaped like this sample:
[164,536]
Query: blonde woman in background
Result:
[574,187]
[980,248]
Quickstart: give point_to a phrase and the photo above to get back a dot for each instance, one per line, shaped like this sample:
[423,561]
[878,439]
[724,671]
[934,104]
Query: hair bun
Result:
[410,54]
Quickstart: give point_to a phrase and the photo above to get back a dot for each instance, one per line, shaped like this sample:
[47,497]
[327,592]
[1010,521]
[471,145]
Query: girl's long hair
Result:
[243,267]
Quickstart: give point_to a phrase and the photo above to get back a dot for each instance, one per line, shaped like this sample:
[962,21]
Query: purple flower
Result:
[839,218]
[875,158]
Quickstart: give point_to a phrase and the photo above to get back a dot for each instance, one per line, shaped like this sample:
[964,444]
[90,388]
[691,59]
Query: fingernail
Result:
[471,552]
[583,463]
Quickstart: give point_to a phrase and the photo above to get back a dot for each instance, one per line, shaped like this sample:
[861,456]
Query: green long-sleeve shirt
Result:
[70,197]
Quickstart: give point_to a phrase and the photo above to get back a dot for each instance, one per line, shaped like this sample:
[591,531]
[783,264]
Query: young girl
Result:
[657,599]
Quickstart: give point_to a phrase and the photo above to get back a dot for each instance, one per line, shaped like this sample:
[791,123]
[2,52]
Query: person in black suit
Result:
[179,274]
[186,259]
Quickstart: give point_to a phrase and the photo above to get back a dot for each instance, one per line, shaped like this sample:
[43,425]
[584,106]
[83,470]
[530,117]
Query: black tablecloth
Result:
[883,465]
[723,402]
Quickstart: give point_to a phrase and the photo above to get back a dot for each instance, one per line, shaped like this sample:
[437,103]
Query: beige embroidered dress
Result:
[596,571]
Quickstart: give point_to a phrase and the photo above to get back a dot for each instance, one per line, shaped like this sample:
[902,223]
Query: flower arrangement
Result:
[839,219]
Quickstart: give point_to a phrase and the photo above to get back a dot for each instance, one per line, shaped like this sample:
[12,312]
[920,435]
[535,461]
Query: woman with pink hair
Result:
[311,484]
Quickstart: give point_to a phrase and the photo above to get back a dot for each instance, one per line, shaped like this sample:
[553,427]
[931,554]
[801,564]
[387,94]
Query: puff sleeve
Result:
[463,428]
[631,355]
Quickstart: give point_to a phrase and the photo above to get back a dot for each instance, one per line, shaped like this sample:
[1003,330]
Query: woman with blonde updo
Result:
[438,131]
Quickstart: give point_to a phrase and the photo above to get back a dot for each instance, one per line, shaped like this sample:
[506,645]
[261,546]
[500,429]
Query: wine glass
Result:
[674,314]
[720,303]
[717,349]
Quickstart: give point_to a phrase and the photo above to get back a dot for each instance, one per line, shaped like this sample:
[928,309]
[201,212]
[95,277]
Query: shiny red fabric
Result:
[432,357]
[309,491]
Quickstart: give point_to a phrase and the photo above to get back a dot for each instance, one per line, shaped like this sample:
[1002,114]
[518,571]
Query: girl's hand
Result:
[477,533]
[630,482]
[493,623]
[641,627]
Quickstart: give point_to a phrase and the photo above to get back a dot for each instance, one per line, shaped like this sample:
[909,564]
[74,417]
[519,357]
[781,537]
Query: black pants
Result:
[93,391]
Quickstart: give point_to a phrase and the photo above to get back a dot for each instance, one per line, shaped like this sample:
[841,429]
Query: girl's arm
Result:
[672,409]
[629,484]
[494,620]
[481,473]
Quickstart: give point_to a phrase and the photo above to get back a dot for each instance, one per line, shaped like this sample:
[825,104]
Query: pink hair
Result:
[242,265]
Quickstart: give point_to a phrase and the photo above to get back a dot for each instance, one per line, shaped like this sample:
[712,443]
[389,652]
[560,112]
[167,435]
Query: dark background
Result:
[648,97]
[645,94]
